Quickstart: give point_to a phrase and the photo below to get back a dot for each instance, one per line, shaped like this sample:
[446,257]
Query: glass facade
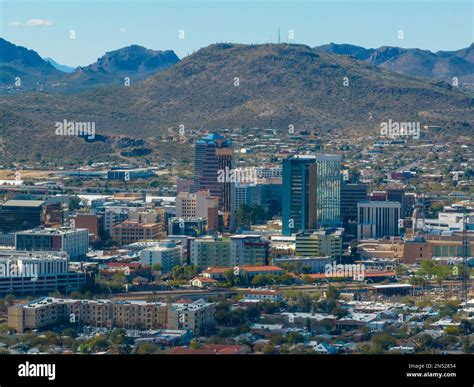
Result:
[328,190]
[299,196]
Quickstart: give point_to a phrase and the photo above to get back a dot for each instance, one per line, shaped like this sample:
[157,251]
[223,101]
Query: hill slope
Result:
[17,61]
[232,85]
[135,62]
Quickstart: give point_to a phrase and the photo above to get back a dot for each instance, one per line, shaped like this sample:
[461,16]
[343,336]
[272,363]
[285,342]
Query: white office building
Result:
[377,219]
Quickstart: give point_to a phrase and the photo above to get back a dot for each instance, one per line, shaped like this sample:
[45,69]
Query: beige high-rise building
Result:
[198,205]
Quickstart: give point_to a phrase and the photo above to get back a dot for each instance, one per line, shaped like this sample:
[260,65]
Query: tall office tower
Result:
[396,194]
[299,194]
[377,219]
[351,193]
[213,159]
[263,194]
[328,190]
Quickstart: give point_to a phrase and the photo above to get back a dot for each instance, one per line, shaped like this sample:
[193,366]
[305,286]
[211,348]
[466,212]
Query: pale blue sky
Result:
[106,25]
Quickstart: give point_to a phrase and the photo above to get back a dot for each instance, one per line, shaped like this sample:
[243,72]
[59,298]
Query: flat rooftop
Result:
[394,286]
[24,203]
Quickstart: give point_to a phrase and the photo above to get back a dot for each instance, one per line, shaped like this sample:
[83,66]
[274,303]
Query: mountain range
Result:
[24,69]
[444,65]
[226,86]
[38,74]
[60,67]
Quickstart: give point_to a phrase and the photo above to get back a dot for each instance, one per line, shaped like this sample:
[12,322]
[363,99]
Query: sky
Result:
[187,25]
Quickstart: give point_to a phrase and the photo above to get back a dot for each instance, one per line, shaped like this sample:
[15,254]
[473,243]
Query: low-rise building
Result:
[196,316]
[263,295]
[319,243]
[37,272]
[250,271]
[73,241]
[131,231]
[167,254]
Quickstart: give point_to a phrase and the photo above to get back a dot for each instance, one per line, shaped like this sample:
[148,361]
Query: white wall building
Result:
[378,219]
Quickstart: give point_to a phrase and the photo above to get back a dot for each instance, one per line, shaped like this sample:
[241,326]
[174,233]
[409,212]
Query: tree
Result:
[449,308]
[76,295]
[247,215]
[417,281]
[9,299]
[295,338]
[466,344]
[51,338]
[401,270]
[229,277]
[184,273]
[425,342]
[119,278]
[98,343]
[268,307]
[71,332]
[332,293]
[261,280]
[339,312]
[269,349]
[117,336]
[74,203]
[252,312]
[146,348]
[452,331]
[384,340]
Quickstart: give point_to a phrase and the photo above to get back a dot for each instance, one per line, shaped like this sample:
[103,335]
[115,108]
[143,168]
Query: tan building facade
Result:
[131,231]
[46,312]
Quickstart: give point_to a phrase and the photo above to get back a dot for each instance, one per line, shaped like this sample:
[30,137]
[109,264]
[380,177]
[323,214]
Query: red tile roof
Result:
[217,270]
[261,268]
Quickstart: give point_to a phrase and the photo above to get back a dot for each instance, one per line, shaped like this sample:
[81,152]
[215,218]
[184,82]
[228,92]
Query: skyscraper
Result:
[396,194]
[328,190]
[351,193]
[299,194]
[213,153]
